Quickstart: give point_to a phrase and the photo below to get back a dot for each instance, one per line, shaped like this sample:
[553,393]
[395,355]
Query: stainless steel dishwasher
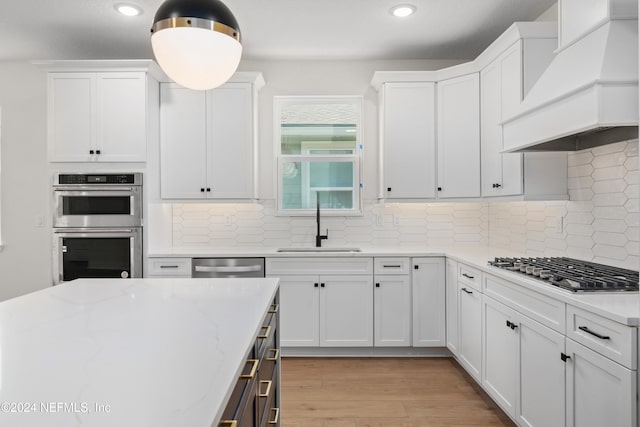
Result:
[227,267]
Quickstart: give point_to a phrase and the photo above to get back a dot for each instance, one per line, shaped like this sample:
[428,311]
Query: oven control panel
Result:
[96,179]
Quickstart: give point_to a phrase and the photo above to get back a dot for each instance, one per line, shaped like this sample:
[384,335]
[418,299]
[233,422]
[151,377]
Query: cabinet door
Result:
[183,142]
[408,144]
[452,305]
[122,117]
[346,311]
[392,311]
[600,392]
[299,311]
[230,148]
[501,354]
[428,284]
[71,112]
[470,327]
[541,389]
[459,137]
[511,95]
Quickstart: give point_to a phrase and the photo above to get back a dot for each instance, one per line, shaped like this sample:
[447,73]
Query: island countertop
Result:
[136,352]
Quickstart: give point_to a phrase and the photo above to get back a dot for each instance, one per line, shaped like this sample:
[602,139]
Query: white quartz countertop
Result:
[137,352]
[620,307]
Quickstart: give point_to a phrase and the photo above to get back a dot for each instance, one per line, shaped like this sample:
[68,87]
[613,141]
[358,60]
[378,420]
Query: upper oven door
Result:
[88,206]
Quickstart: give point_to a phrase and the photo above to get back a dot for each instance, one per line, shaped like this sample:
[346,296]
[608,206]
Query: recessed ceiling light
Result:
[403,10]
[128,9]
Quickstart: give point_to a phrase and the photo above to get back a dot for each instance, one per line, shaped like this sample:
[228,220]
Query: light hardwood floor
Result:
[390,392]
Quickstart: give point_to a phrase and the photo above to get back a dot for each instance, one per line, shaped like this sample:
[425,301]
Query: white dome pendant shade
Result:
[196,42]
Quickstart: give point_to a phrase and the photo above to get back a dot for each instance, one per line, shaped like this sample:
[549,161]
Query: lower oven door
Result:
[98,253]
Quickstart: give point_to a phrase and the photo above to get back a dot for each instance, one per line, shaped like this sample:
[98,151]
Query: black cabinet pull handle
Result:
[508,324]
[388,188]
[595,334]
[466,290]
[315,285]
[202,190]
[377,285]
[564,357]
[416,267]
[468,276]
[439,188]
[97,151]
[90,151]
[322,285]
[498,185]
[208,190]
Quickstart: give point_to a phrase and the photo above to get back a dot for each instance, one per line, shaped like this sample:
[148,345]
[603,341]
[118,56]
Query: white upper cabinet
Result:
[208,142]
[98,116]
[459,137]
[504,83]
[500,89]
[408,141]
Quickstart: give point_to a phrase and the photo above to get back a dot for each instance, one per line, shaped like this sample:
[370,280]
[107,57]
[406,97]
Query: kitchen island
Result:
[136,352]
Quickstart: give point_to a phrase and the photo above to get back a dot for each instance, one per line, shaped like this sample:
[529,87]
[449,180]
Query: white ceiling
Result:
[283,29]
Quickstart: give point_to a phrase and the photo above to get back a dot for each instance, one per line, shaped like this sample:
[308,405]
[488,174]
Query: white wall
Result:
[550,14]
[25,262]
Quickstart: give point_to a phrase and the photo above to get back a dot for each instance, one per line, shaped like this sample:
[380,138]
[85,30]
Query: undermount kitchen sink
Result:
[319,250]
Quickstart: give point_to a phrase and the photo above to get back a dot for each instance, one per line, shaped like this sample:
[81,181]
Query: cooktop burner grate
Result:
[572,274]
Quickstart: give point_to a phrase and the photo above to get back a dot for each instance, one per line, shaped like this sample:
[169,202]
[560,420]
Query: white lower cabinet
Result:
[600,392]
[428,294]
[300,311]
[392,311]
[346,311]
[326,311]
[333,309]
[452,306]
[522,370]
[470,329]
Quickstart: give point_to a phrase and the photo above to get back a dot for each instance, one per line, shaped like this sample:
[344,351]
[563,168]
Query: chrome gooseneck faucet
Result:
[319,237]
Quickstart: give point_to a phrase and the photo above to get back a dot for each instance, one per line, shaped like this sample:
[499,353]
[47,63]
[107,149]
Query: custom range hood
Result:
[588,96]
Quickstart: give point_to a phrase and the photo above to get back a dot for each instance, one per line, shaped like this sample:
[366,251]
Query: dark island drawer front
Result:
[267,392]
[240,411]
[268,331]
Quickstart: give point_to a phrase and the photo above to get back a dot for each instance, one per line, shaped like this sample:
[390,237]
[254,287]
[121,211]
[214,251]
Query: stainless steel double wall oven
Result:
[97,225]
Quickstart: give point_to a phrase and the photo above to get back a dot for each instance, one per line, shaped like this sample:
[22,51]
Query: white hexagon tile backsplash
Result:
[601,222]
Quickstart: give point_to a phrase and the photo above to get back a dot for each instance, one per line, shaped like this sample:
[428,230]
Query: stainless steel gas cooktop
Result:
[572,274]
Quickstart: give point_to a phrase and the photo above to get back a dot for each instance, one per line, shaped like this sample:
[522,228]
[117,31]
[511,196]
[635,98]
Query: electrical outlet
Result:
[558,224]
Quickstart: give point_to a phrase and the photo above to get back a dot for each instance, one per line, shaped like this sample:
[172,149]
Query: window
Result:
[319,154]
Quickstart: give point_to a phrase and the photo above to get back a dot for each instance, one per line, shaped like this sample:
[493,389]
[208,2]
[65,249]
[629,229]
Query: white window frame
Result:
[1,244]
[356,158]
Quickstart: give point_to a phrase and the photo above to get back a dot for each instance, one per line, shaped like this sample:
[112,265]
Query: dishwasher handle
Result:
[242,269]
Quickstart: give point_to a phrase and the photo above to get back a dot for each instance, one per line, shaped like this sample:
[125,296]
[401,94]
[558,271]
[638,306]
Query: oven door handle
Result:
[92,230]
[94,189]
[247,269]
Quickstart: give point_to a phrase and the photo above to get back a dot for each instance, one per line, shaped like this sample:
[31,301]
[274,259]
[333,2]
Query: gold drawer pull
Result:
[274,308]
[227,423]
[267,391]
[266,334]
[276,416]
[276,354]
[254,369]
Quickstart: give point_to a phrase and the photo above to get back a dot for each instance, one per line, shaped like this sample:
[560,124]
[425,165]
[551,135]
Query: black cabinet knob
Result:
[388,188]
[97,151]
[377,285]
[315,285]
[90,151]
[415,267]
[202,190]
[322,285]
[439,188]
[498,185]
[208,190]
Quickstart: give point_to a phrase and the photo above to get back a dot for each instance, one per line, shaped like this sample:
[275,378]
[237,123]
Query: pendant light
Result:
[196,42]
